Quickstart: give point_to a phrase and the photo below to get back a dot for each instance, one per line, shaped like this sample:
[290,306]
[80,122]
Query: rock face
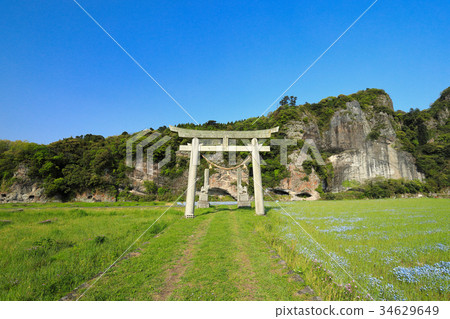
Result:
[23,193]
[224,182]
[356,155]
[137,178]
[23,190]
[374,160]
[300,186]
[92,197]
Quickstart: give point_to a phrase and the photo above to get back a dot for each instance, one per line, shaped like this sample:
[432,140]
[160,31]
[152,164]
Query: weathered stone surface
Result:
[92,197]
[301,130]
[374,160]
[348,129]
[299,185]
[203,194]
[360,158]
[220,134]
[226,181]
[242,196]
[138,177]
[306,290]
[23,190]
[441,117]
[384,100]
[356,157]
[297,278]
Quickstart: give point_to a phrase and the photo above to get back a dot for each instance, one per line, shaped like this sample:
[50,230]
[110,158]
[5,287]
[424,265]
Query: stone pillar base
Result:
[244,204]
[202,204]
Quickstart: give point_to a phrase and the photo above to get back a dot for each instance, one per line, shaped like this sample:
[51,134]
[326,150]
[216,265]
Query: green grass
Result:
[81,204]
[215,256]
[47,261]
[228,254]
[369,239]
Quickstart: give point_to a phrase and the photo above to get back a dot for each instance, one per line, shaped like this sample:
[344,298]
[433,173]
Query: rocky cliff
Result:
[358,155]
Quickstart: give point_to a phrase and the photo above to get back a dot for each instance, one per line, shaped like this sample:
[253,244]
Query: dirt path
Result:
[247,283]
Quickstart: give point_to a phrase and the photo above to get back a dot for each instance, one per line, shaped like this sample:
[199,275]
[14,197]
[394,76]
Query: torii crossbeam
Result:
[196,147]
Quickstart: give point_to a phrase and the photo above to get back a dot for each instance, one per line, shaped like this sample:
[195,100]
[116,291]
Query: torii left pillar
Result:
[257,180]
[190,193]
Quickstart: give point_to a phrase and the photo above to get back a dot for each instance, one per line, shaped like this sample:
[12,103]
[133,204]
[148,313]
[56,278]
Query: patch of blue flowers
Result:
[341,260]
[390,260]
[337,229]
[436,275]
[384,292]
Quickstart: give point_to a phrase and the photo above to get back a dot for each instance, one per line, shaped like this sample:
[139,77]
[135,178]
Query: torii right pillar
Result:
[257,180]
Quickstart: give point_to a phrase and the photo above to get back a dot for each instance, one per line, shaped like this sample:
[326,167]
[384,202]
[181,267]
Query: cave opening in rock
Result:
[3,195]
[303,195]
[219,192]
[31,197]
[279,191]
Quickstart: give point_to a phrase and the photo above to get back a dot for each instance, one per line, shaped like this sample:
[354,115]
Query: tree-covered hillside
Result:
[68,166]
[426,134]
[92,162]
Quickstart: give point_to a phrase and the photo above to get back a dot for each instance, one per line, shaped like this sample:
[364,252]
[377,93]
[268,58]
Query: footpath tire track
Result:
[175,273]
[247,283]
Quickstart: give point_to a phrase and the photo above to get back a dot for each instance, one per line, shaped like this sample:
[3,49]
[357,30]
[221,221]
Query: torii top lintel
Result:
[182,132]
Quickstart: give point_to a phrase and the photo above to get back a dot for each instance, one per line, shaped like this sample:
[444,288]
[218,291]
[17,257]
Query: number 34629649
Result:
[409,310]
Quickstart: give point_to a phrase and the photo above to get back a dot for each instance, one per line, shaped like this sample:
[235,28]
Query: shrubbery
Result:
[380,188]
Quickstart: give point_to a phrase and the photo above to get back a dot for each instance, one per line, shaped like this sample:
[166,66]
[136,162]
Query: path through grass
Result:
[216,256]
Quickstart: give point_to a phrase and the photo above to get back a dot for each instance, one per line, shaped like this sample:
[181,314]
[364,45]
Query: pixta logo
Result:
[308,145]
[140,143]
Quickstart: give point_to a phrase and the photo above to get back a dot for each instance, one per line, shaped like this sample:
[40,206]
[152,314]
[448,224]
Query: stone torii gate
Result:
[195,148]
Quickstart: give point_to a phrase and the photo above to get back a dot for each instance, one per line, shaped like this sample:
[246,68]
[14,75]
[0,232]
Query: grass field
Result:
[386,249]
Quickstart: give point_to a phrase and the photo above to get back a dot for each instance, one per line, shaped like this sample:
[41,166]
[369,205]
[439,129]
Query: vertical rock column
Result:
[239,182]
[190,193]
[203,197]
[242,195]
[206,181]
[256,161]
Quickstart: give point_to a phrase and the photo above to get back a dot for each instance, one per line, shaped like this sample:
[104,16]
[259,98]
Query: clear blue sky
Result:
[61,76]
